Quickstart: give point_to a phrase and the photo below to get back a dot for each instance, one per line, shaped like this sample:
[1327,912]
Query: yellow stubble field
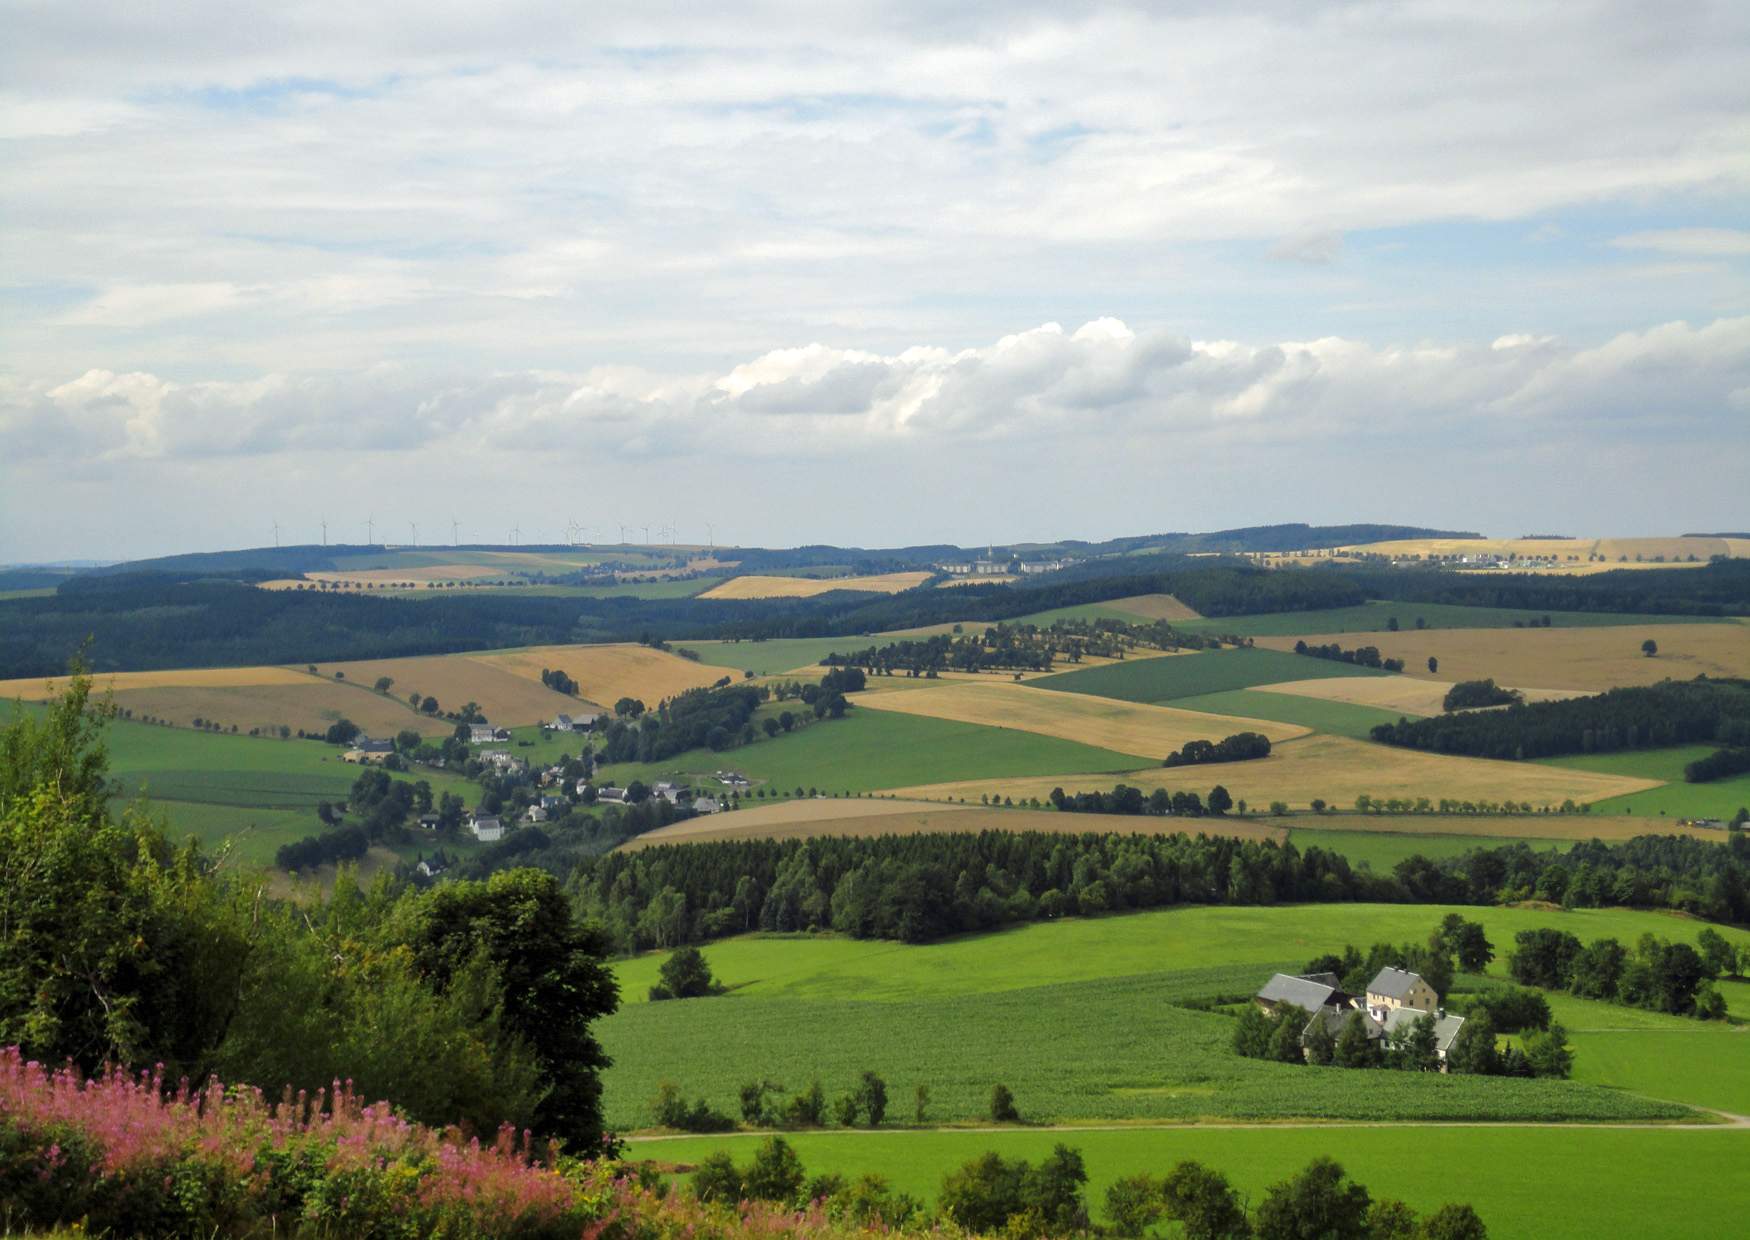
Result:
[607,673]
[1127,727]
[1399,693]
[1590,659]
[1334,769]
[852,816]
[755,586]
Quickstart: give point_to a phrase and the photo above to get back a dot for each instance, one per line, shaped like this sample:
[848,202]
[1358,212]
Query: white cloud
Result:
[1033,389]
[1695,242]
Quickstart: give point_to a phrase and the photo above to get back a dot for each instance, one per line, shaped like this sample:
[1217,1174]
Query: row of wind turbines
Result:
[576,533]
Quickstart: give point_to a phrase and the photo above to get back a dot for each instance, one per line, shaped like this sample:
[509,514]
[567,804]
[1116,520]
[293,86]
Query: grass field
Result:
[1128,727]
[1394,695]
[1376,617]
[1590,659]
[756,586]
[1162,680]
[1381,850]
[1136,609]
[813,816]
[1337,717]
[1526,1183]
[1336,769]
[1080,1017]
[1721,798]
[869,750]
[781,654]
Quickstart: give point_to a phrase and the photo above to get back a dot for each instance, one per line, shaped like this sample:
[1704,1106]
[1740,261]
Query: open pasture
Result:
[1128,727]
[758,586]
[1376,617]
[1382,850]
[1210,671]
[871,750]
[1590,660]
[1541,1183]
[814,816]
[1393,695]
[1134,609]
[606,673]
[1336,769]
[1340,718]
[1720,798]
[777,655]
[1490,829]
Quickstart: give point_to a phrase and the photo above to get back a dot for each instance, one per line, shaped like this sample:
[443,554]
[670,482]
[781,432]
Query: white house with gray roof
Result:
[1392,989]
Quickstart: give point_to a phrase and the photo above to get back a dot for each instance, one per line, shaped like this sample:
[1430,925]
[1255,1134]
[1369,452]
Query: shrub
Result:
[672,1111]
[1002,1105]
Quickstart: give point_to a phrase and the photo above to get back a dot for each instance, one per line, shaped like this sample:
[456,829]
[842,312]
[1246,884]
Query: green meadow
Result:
[1381,850]
[1092,1019]
[870,749]
[1376,617]
[1526,1183]
[1090,611]
[1721,798]
[1340,718]
[1193,675]
[779,654]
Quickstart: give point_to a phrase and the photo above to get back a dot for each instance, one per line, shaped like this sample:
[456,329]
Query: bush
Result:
[685,975]
[672,1111]
[1002,1106]
[1471,694]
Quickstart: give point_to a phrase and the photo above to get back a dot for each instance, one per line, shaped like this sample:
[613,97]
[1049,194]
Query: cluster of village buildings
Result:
[1394,999]
[991,565]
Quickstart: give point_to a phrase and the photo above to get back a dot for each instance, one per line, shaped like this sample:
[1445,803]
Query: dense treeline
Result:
[1240,747]
[1661,976]
[1721,763]
[922,887]
[1473,694]
[1361,656]
[1721,588]
[1654,716]
[1127,800]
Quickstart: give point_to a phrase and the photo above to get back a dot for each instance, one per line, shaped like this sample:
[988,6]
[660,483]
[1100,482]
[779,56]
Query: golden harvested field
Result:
[504,697]
[1153,607]
[36,689]
[423,573]
[1127,727]
[1504,826]
[998,579]
[1400,693]
[310,707]
[1576,550]
[605,674]
[854,816]
[1591,659]
[1333,768]
[754,586]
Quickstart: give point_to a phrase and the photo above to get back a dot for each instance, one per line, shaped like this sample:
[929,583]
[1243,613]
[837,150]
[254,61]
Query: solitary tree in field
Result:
[383,683]
[1649,647]
[1433,665]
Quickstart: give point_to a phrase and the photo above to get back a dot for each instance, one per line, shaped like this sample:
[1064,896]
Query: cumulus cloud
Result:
[1034,388]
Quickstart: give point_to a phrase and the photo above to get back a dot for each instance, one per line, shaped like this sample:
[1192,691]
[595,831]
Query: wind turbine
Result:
[276,533]
[710,535]
[455,538]
[645,543]
[370,531]
[516,534]
[415,528]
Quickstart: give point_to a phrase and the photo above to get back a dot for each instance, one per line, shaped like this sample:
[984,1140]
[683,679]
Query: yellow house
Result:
[1397,988]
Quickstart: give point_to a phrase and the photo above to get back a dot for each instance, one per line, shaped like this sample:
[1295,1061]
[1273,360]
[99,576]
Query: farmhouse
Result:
[367,745]
[572,723]
[1445,1028]
[485,734]
[706,805]
[1309,993]
[1392,989]
[616,796]
[534,813]
[430,867]
[672,793]
[732,779]
[428,822]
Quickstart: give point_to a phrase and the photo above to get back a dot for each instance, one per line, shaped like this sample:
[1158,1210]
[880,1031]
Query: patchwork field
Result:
[810,817]
[1588,659]
[607,673]
[1576,550]
[1394,695]
[1376,617]
[756,586]
[1334,768]
[1210,671]
[1129,727]
[872,750]
[1542,1184]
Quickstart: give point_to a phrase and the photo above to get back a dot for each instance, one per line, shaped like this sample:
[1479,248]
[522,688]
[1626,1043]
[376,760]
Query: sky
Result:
[868,274]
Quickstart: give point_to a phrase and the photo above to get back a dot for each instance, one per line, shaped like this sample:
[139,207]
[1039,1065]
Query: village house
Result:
[732,779]
[672,793]
[428,868]
[706,805]
[1308,992]
[487,828]
[485,734]
[572,723]
[366,744]
[428,822]
[534,813]
[611,794]
[550,803]
[1394,999]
